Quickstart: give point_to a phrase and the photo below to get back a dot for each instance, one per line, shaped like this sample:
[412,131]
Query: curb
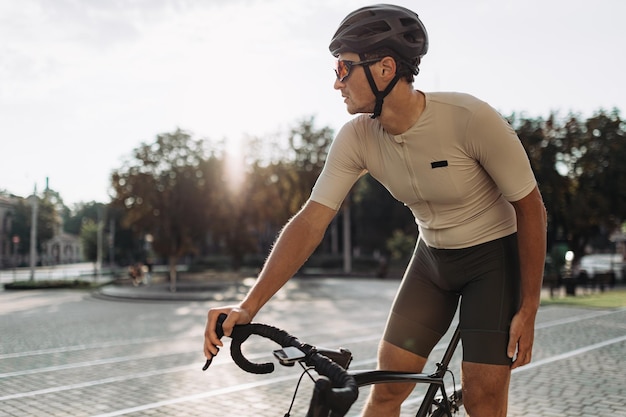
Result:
[185,291]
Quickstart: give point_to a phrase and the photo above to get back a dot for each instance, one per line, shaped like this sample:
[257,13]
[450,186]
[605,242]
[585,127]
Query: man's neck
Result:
[402,108]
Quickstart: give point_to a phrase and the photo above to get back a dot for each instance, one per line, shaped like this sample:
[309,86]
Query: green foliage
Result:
[50,284]
[89,240]
[82,212]
[196,202]
[607,299]
[47,222]
[400,245]
[581,172]
[377,215]
[163,192]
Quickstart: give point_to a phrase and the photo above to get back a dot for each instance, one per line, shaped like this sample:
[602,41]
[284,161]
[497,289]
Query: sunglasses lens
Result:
[342,70]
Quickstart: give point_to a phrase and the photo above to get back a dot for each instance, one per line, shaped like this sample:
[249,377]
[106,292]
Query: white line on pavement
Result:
[131,357]
[569,354]
[549,360]
[75,348]
[95,383]
[199,396]
[574,319]
[90,363]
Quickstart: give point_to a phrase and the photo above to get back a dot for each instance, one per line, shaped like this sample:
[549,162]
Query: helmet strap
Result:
[380,95]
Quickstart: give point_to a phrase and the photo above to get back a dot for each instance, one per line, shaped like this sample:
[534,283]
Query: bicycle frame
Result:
[435,380]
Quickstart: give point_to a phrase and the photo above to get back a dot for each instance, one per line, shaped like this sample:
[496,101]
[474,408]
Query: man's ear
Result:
[388,67]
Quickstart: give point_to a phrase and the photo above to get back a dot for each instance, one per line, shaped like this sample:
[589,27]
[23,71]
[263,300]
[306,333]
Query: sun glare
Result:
[235,165]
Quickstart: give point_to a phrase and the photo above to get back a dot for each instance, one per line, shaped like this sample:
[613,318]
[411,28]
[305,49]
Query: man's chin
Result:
[353,110]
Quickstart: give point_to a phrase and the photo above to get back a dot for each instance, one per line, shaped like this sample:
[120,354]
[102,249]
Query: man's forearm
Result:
[531,230]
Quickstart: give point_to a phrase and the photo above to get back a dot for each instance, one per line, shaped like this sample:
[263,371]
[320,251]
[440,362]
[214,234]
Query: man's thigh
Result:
[394,358]
[489,301]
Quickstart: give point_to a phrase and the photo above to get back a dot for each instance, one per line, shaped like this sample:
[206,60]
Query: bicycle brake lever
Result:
[220,333]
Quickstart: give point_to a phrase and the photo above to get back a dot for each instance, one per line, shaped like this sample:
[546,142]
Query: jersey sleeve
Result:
[500,152]
[343,167]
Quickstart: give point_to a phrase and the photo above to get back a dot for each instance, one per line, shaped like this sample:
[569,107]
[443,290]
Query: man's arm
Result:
[297,241]
[531,233]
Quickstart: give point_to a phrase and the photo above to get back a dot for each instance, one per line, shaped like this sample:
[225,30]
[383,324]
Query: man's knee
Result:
[393,358]
[485,389]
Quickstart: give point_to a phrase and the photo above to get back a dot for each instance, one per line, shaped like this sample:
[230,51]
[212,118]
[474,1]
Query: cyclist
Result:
[461,169]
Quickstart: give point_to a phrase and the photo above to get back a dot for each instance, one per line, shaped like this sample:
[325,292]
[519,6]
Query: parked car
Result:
[601,265]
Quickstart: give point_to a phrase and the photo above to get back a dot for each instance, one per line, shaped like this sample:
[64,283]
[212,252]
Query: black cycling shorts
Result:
[485,277]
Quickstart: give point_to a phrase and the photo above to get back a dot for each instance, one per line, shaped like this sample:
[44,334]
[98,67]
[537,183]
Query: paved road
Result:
[67,353]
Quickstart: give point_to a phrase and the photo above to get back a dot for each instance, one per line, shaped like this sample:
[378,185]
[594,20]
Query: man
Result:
[462,171]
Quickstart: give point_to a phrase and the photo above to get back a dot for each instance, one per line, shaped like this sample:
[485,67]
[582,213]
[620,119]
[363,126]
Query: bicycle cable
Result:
[453,383]
[293,399]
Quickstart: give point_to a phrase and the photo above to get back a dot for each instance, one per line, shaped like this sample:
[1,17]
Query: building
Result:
[7,244]
[63,248]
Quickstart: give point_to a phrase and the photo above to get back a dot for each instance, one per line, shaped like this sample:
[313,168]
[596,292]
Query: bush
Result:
[48,284]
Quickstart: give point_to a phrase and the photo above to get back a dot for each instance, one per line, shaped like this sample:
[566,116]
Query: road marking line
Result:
[199,396]
[84,347]
[569,354]
[547,361]
[89,363]
[578,318]
[96,383]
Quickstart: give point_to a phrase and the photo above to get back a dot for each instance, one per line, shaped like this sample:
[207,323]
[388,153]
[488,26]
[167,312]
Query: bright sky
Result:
[83,83]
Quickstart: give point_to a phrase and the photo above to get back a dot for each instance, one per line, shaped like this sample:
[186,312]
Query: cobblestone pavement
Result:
[67,353]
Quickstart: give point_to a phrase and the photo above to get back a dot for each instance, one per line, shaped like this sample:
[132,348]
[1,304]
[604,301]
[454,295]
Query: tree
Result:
[163,191]
[308,150]
[545,144]
[89,239]
[47,222]
[378,216]
[580,169]
[73,219]
[230,209]
[250,214]
[599,205]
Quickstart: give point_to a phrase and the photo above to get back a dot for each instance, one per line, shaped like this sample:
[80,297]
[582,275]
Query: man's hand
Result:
[521,339]
[236,315]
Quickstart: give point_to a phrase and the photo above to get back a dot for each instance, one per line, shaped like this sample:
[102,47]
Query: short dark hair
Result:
[404,68]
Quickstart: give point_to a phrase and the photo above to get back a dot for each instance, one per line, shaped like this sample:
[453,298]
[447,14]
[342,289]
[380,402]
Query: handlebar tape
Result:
[338,390]
[241,333]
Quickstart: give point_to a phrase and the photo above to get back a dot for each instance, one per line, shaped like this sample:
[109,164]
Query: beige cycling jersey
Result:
[457,169]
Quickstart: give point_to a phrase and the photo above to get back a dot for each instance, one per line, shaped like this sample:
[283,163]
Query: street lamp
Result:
[149,261]
[16,243]
[33,234]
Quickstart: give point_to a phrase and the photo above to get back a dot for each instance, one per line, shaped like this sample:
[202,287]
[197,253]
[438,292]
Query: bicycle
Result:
[336,389]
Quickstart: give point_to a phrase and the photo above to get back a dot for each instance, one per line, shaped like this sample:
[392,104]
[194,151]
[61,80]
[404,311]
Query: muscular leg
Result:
[386,399]
[485,389]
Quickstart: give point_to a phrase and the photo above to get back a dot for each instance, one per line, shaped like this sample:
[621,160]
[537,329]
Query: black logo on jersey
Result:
[438,164]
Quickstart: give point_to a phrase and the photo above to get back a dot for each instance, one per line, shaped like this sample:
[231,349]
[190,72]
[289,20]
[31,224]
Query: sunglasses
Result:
[343,67]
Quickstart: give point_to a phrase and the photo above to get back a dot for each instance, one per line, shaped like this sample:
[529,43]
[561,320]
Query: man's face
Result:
[355,88]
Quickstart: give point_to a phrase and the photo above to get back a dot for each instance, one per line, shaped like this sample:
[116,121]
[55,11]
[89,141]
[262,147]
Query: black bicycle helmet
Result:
[381,26]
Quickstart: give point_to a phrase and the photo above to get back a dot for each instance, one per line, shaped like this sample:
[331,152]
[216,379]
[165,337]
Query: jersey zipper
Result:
[415,187]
